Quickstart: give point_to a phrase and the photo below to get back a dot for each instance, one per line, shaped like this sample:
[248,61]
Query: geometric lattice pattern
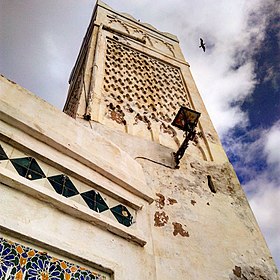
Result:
[138,84]
[21,262]
[29,168]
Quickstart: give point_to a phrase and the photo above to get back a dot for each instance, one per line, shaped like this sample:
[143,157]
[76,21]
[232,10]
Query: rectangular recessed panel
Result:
[141,86]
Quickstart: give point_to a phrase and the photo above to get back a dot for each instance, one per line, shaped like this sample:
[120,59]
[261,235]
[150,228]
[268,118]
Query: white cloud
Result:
[272,148]
[264,202]
[263,188]
[223,24]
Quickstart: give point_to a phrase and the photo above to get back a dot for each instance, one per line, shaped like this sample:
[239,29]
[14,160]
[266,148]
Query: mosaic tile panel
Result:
[29,168]
[24,263]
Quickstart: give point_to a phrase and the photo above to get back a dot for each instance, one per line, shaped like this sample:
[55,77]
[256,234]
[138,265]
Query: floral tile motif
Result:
[24,263]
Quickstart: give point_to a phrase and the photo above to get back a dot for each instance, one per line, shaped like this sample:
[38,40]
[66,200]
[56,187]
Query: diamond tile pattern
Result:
[95,201]
[122,215]
[29,168]
[63,185]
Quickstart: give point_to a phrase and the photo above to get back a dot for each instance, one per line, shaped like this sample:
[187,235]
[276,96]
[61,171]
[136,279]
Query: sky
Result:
[238,76]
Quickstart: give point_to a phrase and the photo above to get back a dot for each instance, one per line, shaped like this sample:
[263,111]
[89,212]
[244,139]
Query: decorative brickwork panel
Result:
[21,262]
[138,84]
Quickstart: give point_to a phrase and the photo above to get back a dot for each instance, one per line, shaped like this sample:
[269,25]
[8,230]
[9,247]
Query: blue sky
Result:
[238,76]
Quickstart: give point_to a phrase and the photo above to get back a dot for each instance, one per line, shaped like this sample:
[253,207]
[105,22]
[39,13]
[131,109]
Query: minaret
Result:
[128,83]
[133,78]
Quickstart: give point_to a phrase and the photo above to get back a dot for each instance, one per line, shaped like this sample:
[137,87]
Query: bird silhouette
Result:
[202,44]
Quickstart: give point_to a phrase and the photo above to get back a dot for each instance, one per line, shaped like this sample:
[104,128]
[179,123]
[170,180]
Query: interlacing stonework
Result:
[21,263]
[51,178]
[135,83]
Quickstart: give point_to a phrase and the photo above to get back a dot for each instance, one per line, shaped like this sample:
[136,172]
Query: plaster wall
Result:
[33,212]
[203,227]
[26,218]
[188,232]
[189,223]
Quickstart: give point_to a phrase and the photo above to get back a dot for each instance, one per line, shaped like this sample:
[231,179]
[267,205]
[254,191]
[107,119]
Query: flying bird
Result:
[202,44]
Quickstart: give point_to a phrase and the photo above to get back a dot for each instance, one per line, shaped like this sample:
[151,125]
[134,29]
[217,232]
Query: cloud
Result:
[246,151]
[224,74]
[272,149]
[262,185]
[233,32]
[264,202]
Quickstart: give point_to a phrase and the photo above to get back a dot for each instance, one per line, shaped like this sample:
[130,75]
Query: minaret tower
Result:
[128,83]
[133,78]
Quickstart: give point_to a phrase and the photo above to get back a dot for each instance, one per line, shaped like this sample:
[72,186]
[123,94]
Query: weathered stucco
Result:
[192,222]
[205,234]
